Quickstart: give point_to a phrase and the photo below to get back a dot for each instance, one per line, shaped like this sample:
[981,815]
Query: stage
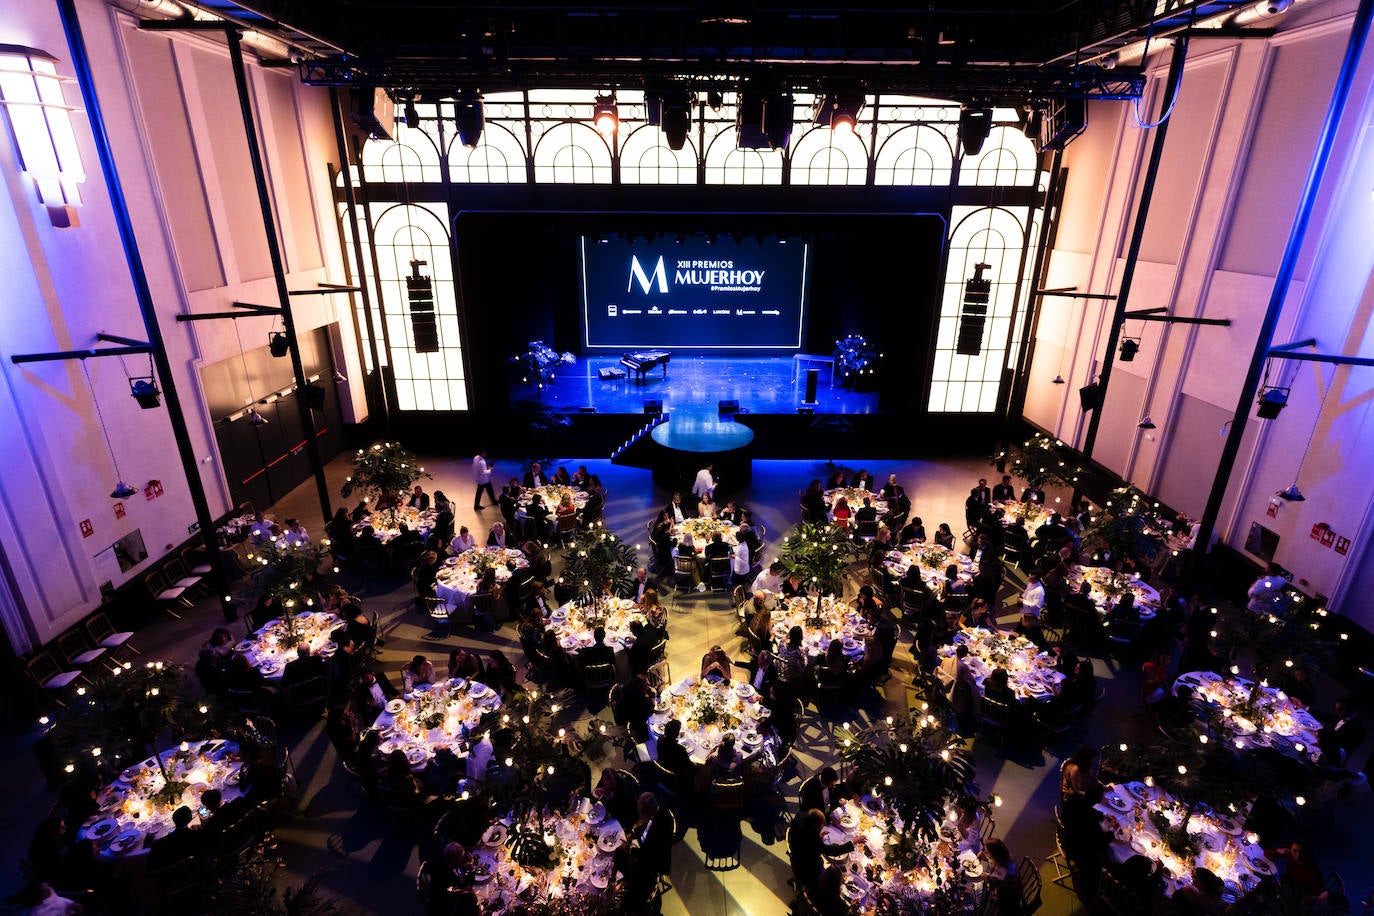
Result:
[767,384]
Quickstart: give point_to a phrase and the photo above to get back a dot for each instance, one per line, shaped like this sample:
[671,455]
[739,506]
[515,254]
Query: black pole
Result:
[312,447]
[351,200]
[1142,213]
[71,24]
[1359,30]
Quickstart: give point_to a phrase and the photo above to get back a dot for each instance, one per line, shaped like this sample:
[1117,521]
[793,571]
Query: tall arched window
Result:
[1007,158]
[830,157]
[646,159]
[412,157]
[419,232]
[916,154]
[572,152]
[979,235]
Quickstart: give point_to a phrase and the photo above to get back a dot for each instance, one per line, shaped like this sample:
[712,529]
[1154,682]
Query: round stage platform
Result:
[690,441]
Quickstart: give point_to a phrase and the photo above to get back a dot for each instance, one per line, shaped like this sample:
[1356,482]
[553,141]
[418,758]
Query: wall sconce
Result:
[40,119]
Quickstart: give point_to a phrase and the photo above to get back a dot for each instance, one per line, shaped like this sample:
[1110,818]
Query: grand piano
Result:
[644,360]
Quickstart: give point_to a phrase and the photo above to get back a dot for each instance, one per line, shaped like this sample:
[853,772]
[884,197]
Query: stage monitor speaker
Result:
[653,407]
[974,316]
[1090,396]
[725,407]
[586,410]
[813,381]
[610,374]
[806,410]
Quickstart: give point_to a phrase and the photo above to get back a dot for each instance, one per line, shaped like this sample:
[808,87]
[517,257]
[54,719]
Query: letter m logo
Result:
[660,275]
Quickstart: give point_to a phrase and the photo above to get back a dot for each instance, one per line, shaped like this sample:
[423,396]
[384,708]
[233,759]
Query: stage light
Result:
[122,491]
[1032,120]
[1129,347]
[412,116]
[420,297]
[255,418]
[777,119]
[974,126]
[676,117]
[838,110]
[144,391]
[468,116]
[714,99]
[606,116]
[1272,401]
[277,344]
[1145,423]
[1090,396]
[1291,493]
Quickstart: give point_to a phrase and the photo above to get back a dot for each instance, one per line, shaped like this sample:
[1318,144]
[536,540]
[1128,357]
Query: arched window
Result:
[1007,158]
[498,158]
[988,235]
[916,154]
[412,157]
[419,232]
[646,159]
[825,156]
[572,152]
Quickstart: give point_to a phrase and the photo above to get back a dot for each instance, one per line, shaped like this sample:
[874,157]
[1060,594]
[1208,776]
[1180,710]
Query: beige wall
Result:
[173,118]
[1239,145]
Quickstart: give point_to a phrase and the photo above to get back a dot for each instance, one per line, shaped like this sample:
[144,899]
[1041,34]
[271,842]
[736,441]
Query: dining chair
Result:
[77,650]
[191,558]
[684,566]
[103,634]
[1030,886]
[720,572]
[440,617]
[166,595]
[49,676]
[598,677]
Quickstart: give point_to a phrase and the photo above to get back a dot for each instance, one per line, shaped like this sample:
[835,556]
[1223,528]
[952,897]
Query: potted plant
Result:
[817,553]
[384,472]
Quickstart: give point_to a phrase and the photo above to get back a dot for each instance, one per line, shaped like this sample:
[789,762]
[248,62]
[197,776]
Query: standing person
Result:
[481,474]
[705,484]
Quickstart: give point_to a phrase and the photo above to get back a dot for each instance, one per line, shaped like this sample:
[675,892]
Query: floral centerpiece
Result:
[703,530]
[853,495]
[709,710]
[1171,823]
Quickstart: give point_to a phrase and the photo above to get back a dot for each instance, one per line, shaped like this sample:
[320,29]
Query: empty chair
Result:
[191,560]
[102,633]
[49,676]
[437,609]
[309,694]
[866,530]
[995,719]
[167,596]
[684,566]
[177,574]
[77,651]
[1030,886]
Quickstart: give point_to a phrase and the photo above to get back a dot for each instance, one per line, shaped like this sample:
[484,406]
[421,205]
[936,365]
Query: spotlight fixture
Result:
[1129,347]
[122,491]
[1272,401]
[256,418]
[468,116]
[412,116]
[777,119]
[838,110]
[1145,423]
[714,99]
[974,126]
[605,116]
[277,344]
[144,391]
[1291,493]
[675,117]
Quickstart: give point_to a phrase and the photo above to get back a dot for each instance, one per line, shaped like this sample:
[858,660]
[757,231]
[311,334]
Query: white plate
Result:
[745,690]
[245,645]
[102,828]
[833,836]
[416,756]
[124,841]
[495,836]
[396,706]
[452,561]
[610,840]
[849,821]
[597,814]
[477,689]
[483,867]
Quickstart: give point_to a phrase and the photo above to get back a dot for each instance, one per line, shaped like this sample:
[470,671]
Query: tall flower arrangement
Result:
[1130,525]
[289,573]
[383,472]
[1041,460]
[817,553]
[599,556]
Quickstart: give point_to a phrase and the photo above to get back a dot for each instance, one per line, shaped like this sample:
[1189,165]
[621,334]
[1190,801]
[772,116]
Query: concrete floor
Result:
[373,867]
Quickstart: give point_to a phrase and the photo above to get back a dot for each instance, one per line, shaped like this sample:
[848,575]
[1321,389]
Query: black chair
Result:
[599,677]
[439,615]
[684,566]
[995,720]
[720,572]
[866,530]
[310,694]
[180,886]
[1030,887]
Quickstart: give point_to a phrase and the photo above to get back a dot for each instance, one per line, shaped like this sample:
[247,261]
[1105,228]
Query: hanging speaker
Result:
[974,315]
[1090,396]
[420,292]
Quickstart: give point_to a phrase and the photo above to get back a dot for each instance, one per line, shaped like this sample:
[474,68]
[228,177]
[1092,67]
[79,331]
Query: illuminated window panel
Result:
[1007,158]
[412,157]
[352,260]
[498,158]
[915,154]
[424,381]
[646,159]
[995,236]
[572,152]
[822,156]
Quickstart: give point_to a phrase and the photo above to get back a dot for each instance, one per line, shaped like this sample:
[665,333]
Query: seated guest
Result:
[462,541]
[1202,896]
[813,502]
[371,698]
[765,674]
[724,764]
[636,704]
[498,673]
[675,510]
[866,512]
[944,537]
[1000,874]
[181,844]
[1155,677]
[824,791]
[717,662]
[1339,740]
[828,898]
[1078,781]
[674,757]
[706,506]
[655,613]
[913,532]
[339,530]
[598,653]
[648,853]
[641,650]
[730,513]
[1033,494]
[561,477]
[400,781]
[464,664]
[303,667]
[1004,491]
[839,512]
[537,518]
[619,792]
[535,477]
[361,511]
[419,672]
[717,548]
[405,539]
[805,848]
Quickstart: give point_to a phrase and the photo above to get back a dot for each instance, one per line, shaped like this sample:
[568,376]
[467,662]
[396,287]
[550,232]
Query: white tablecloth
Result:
[734,706]
[434,716]
[1107,588]
[457,579]
[271,647]
[1276,721]
[583,845]
[932,559]
[701,530]
[385,523]
[1029,671]
[840,622]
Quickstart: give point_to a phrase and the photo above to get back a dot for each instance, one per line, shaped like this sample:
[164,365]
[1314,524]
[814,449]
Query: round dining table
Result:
[274,644]
[432,716]
[1128,815]
[457,580]
[386,524]
[1107,586]
[822,619]
[855,496]
[136,808]
[1030,671]
[709,709]
[702,529]
[932,560]
[1255,715]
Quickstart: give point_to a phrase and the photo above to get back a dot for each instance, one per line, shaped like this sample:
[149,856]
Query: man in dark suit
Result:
[674,757]
[303,667]
[730,513]
[837,479]
[650,852]
[676,511]
[865,513]
[598,653]
[219,818]
[537,518]
[717,547]
[1004,491]
[823,791]
[534,477]
[1033,495]
[981,493]
[1340,740]
[419,499]
[181,844]
[520,576]
[862,481]
[891,488]
[641,583]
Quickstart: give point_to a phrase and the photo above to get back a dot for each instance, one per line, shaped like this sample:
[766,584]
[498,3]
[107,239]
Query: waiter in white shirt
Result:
[1033,597]
[705,482]
[739,562]
[481,473]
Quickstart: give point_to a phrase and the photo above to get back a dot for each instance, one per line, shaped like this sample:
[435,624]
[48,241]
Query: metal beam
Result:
[1171,83]
[187,25]
[78,354]
[1157,315]
[260,309]
[1295,345]
[326,289]
[1071,294]
[126,341]
[1333,358]
[190,466]
[312,447]
[1283,278]
[208,316]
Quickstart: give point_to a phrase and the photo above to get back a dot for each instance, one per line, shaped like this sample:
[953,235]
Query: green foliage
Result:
[252,888]
[287,572]
[917,765]
[1176,839]
[599,556]
[1300,631]
[817,554]
[383,472]
[1130,526]
[1041,460]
